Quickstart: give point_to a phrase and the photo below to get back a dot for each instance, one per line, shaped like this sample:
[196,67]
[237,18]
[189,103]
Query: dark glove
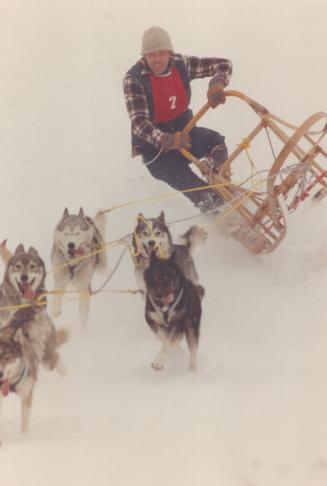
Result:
[175,141]
[215,94]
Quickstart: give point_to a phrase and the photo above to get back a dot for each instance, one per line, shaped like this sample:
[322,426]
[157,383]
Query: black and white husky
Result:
[78,251]
[152,235]
[172,308]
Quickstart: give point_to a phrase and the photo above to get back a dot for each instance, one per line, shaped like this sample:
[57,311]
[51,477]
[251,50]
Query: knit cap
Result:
[156,39]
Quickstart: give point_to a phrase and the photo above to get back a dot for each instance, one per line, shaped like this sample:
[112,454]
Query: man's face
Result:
[158,61]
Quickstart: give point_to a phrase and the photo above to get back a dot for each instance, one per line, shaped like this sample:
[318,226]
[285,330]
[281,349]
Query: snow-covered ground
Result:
[255,412]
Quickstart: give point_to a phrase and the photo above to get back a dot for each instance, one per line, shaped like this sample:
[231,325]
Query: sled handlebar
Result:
[259,109]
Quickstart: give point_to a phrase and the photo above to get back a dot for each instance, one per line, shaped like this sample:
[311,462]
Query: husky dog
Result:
[152,235]
[76,237]
[173,307]
[28,340]
[24,281]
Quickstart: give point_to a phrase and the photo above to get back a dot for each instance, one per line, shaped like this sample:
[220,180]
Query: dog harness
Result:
[72,267]
[13,386]
[166,311]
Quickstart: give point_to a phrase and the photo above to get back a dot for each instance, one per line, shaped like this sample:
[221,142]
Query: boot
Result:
[210,202]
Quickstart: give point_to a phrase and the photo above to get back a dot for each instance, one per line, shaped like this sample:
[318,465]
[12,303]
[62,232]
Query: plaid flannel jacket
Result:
[136,101]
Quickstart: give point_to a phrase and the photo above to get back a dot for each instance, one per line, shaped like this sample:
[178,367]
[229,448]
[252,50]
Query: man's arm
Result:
[203,67]
[138,111]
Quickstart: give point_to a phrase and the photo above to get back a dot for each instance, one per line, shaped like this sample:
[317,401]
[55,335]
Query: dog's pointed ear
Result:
[139,221]
[162,217]
[81,213]
[32,251]
[66,213]
[20,249]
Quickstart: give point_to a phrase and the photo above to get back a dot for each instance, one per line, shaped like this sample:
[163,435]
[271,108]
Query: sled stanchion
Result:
[196,118]
[261,220]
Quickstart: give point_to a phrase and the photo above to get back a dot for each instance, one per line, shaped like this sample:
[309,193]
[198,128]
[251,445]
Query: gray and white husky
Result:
[152,235]
[27,335]
[76,238]
[24,281]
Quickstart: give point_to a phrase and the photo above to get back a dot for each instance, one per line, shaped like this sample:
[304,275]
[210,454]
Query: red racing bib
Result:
[169,96]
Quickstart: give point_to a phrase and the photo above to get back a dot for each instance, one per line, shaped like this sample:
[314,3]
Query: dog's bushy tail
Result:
[193,237]
[4,252]
[62,336]
[100,222]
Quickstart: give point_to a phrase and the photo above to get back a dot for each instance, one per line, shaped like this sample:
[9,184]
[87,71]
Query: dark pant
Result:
[174,169]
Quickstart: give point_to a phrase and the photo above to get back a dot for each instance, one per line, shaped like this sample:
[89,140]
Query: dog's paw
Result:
[192,363]
[61,368]
[157,365]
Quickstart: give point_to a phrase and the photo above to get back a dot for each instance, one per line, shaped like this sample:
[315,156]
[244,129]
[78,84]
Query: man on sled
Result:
[157,95]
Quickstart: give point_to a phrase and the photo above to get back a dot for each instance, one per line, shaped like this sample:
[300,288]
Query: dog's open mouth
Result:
[150,249]
[75,252]
[26,289]
[166,299]
[4,387]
